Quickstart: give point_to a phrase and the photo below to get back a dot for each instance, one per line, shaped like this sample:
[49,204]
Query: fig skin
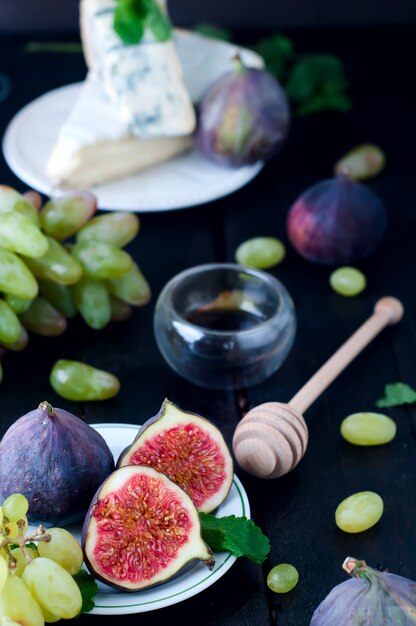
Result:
[370,598]
[336,222]
[56,460]
[169,417]
[244,117]
[89,538]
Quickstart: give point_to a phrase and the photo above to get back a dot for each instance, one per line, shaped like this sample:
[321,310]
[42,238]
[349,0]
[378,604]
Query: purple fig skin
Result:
[100,493]
[244,118]
[372,598]
[56,460]
[336,221]
[129,450]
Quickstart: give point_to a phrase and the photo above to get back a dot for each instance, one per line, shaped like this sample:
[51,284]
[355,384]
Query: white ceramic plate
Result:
[109,601]
[185,181]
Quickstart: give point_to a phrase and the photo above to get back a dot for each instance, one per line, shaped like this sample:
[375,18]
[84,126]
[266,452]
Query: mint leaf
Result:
[277,52]
[213,31]
[129,20]
[397,394]
[132,17]
[158,23]
[317,83]
[238,535]
[88,588]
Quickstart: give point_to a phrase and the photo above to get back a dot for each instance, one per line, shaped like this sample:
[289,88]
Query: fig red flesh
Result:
[141,529]
[189,449]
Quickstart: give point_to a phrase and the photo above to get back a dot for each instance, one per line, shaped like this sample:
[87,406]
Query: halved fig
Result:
[189,449]
[141,529]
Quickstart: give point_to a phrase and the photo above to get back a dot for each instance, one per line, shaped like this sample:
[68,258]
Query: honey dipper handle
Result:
[386,311]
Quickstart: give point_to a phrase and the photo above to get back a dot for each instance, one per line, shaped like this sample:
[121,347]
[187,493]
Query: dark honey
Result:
[223,319]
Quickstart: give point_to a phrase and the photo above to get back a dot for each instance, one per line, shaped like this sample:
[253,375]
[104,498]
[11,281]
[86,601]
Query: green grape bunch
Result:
[37,570]
[60,259]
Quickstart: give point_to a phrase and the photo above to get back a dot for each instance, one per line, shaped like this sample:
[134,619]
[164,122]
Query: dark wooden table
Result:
[297,511]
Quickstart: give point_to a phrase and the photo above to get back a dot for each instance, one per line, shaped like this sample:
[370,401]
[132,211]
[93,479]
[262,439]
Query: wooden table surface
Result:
[297,511]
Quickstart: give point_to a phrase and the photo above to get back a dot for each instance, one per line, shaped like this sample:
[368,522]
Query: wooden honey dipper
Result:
[271,438]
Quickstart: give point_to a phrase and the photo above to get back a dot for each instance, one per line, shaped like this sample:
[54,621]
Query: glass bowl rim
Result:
[275,284]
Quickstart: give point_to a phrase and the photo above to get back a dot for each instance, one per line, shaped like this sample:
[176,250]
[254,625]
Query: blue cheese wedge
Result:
[144,81]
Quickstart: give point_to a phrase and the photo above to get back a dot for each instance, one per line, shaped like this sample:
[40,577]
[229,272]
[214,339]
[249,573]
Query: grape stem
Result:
[21,540]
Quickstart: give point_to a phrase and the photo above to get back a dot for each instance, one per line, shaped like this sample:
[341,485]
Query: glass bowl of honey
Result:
[224,326]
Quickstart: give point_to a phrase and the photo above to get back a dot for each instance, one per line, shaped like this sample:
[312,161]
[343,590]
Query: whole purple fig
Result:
[336,221]
[370,598]
[56,460]
[243,117]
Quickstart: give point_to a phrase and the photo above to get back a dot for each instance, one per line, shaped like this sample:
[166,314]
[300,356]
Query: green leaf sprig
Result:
[397,394]
[88,588]
[313,82]
[132,17]
[237,535]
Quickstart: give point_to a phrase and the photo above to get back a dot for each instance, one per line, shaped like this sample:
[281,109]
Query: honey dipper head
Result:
[270,440]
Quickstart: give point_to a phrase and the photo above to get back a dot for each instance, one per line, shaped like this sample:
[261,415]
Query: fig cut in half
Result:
[141,529]
[189,449]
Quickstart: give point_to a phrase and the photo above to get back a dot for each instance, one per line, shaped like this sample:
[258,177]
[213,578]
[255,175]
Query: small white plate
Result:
[185,181]
[109,601]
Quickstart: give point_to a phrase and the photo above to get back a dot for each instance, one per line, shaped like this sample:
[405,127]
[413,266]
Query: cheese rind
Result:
[93,146]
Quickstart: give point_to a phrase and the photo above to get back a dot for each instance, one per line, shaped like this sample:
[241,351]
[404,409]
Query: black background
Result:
[62,15]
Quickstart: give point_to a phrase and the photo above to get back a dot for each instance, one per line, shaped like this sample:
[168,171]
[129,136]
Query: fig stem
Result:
[239,66]
[45,406]
[354,567]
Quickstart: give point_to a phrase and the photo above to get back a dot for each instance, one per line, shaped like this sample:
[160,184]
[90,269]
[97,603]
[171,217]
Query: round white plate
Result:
[109,601]
[185,181]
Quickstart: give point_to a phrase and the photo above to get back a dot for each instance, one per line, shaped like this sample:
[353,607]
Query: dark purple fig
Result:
[243,117]
[56,460]
[336,221]
[189,449]
[141,529]
[370,598]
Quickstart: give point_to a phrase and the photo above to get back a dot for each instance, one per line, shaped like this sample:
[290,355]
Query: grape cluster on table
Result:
[58,260]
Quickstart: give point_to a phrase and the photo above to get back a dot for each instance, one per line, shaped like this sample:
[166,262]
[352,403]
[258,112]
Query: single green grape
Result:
[19,234]
[282,578]
[368,429]
[117,229]
[59,296]
[359,512]
[41,318]
[10,327]
[81,382]
[18,305]
[102,260]
[15,507]
[93,302]
[20,559]
[261,252]
[53,588]
[63,548]
[18,604]
[15,277]
[131,288]
[62,217]
[56,265]
[347,281]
